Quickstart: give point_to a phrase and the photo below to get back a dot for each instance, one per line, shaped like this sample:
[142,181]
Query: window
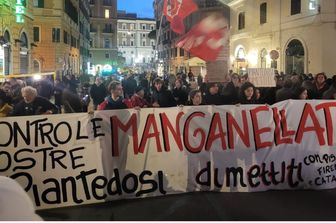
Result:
[65,37]
[107,55]
[295,7]
[132,35]
[124,34]
[132,26]
[71,10]
[144,27]
[312,5]
[123,26]
[263,13]
[38,3]
[91,43]
[152,27]
[181,52]
[241,21]
[90,55]
[152,43]
[108,28]
[56,35]
[36,31]
[132,43]
[107,43]
[124,43]
[107,13]
[143,35]
[143,43]
[107,2]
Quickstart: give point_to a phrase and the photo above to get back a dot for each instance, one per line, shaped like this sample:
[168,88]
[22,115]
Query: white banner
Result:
[262,77]
[77,159]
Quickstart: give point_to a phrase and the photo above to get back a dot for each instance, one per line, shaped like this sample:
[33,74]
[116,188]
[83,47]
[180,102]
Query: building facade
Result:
[133,40]
[56,37]
[47,39]
[289,35]
[84,36]
[103,36]
[16,37]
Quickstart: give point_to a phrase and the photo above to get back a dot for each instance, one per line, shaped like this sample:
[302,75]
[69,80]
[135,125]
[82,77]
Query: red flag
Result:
[207,39]
[175,12]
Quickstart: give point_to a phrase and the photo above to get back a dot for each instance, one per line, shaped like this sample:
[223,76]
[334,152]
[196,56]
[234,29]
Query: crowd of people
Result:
[68,95]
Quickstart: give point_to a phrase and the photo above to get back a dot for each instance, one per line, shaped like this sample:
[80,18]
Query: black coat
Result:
[98,93]
[39,106]
[181,96]
[284,94]
[215,99]
[164,98]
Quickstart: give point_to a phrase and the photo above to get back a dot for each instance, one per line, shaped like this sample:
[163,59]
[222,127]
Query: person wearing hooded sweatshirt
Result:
[162,98]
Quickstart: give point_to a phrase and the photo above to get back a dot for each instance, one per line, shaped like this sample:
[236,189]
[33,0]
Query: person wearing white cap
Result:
[15,204]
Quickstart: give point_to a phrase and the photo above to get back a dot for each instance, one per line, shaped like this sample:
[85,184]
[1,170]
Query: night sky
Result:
[144,8]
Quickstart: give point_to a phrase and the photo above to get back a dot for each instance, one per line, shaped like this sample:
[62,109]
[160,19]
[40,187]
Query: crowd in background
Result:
[69,95]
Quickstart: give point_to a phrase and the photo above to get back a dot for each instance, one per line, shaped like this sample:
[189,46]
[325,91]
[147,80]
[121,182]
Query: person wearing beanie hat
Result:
[138,99]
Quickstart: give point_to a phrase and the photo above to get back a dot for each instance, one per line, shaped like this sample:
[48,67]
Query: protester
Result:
[71,102]
[5,108]
[138,99]
[320,85]
[6,88]
[58,91]
[231,91]
[45,88]
[115,100]
[15,203]
[212,96]
[98,92]
[129,84]
[286,92]
[161,96]
[331,92]
[247,94]
[32,104]
[195,98]
[300,93]
[180,94]
[16,87]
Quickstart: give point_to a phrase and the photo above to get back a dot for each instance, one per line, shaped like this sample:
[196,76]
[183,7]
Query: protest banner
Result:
[77,159]
[262,77]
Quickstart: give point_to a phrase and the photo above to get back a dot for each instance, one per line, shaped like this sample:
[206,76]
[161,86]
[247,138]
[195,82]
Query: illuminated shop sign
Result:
[19,11]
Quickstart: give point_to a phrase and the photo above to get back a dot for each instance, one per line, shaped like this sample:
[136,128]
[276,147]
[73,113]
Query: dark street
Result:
[272,205]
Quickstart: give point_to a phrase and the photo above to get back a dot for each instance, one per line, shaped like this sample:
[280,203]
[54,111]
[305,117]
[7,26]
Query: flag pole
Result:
[158,35]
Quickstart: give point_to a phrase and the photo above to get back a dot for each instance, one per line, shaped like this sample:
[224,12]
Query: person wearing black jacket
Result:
[161,96]
[212,97]
[180,94]
[231,91]
[98,92]
[32,104]
[247,94]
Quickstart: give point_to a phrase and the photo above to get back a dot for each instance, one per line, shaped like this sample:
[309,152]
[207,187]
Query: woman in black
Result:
[247,94]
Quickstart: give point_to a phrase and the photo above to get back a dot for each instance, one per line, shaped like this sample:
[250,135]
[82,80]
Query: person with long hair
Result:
[247,94]
[320,85]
